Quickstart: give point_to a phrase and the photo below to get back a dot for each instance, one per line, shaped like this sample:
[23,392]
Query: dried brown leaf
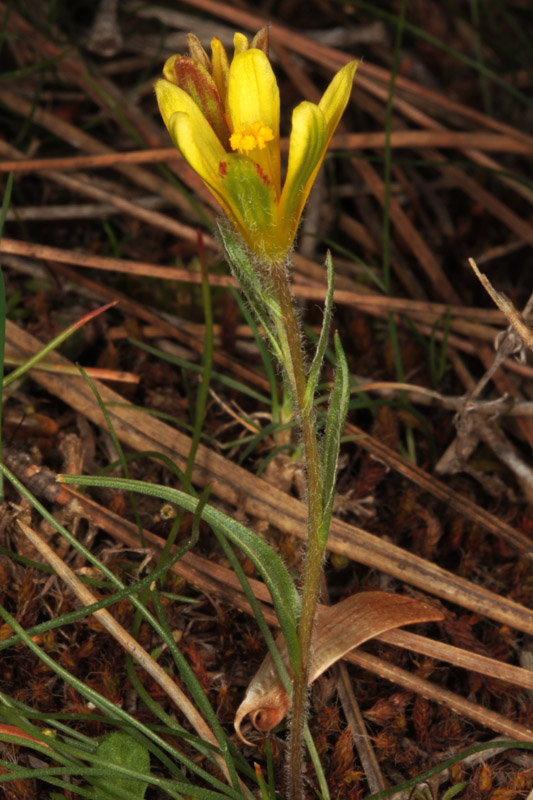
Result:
[338,630]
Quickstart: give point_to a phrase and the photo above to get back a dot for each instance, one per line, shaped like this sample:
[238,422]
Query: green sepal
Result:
[251,197]
[248,278]
[285,597]
[337,411]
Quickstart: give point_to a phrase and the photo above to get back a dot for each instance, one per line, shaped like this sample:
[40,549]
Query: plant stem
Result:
[292,346]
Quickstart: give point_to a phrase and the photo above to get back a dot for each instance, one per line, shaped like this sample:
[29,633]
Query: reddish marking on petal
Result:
[262,174]
[223,169]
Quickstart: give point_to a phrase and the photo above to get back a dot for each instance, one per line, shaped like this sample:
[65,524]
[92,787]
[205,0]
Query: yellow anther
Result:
[256,137]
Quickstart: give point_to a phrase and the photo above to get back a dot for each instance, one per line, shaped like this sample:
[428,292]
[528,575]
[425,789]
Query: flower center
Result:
[256,136]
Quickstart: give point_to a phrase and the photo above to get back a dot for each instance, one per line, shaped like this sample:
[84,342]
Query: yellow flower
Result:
[224,119]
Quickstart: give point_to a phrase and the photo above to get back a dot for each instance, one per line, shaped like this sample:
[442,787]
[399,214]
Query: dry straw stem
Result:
[470,427]
[420,395]
[508,344]
[265,501]
[376,80]
[94,372]
[361,739]
[127,642]
[372,304]
[80,184]
[356,299]
[210,577]
[75,137]
[347,141]
[331,57]
[221,582]
[102,91]
[516,320]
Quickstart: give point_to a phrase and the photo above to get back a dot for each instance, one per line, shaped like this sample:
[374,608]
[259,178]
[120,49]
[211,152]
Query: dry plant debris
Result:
[435,484]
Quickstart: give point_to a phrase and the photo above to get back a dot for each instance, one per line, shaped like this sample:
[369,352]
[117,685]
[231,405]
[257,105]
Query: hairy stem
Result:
[292,346]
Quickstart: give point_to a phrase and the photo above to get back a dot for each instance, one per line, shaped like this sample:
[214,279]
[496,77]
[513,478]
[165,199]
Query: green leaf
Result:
[3,213]
[338,408]
[263,351]
[453,790]
[437,362]
[316,366]
[284,595]
[122,750]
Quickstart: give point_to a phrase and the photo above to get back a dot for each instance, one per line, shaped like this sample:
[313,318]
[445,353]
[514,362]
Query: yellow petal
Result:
[336,96]
[306,152]
[171,98]
[199,146]
[253,96]
[312,128]
[191,133]
[240,42]
[220,68]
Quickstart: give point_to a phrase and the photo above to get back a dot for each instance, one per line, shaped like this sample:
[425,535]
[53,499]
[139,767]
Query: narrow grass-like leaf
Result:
[335,247]
[316,366]
[258,614]
[37,67]
[187,673]
[263,352]
[400,22]
[426,36]
[437,364]
[273,453]
[180,362]
[33,360]
[450,762]
[338,408]
[174,789]
[93,560]
[126,592]
[202,395]
[152,454]
[284,595]
[118,447]
[72,743]
[317,764]
[268,430]
[3,213]
[114,712]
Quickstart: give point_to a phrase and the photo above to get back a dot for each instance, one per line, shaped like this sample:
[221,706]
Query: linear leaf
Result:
[284,595]
[316,366]
[336,417]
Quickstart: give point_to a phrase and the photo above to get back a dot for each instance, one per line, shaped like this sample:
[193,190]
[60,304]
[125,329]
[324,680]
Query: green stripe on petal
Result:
[253,96]
[336,96]
[306,152]
[194,79]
